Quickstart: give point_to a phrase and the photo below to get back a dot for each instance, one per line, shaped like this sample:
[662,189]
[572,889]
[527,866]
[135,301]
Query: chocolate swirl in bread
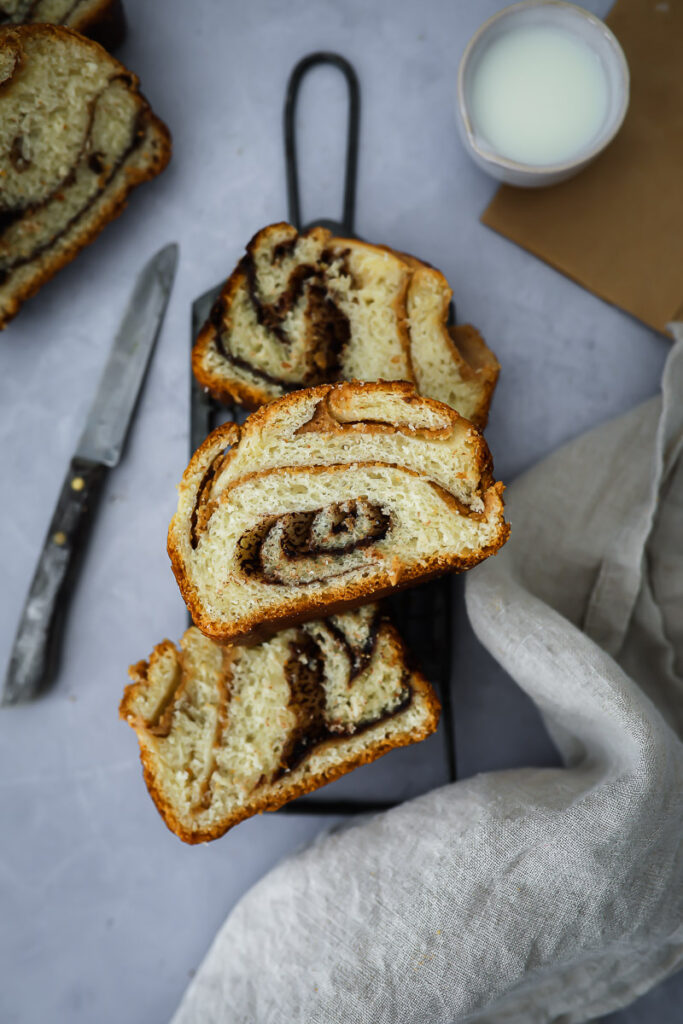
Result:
[279,287]
[227,732]
[304,546]
[313,689]
[72,152]
[325,499]
[302,309]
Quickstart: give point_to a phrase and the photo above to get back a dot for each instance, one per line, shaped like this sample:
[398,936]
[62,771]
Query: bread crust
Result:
[248,395]
[473,349]
[299,784]
[305,607]
[109,205]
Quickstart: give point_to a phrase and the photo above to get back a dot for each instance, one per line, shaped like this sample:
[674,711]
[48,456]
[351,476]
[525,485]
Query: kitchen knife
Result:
[34,657]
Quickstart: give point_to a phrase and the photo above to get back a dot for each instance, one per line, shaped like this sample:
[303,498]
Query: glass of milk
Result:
[543,87]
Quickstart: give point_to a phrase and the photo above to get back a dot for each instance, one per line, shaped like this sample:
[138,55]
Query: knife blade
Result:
[35,652]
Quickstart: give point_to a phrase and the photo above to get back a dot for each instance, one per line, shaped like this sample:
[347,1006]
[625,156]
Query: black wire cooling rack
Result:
[422,614]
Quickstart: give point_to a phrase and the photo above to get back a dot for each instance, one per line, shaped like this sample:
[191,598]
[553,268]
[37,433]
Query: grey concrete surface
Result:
[104,915]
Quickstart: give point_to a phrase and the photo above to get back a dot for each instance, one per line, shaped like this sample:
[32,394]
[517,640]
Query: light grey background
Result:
[104,914]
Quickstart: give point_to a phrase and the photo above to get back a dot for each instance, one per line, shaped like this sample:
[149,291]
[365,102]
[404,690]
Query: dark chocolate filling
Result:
[336,526]
[243,364]
[331,332]
[330,328]
[95,163]
[284,249]
[271,315]
[359,655]
[304,672]
[8,218]
[202,498]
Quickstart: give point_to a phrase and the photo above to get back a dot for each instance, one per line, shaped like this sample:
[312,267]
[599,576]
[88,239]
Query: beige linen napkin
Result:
[540,895]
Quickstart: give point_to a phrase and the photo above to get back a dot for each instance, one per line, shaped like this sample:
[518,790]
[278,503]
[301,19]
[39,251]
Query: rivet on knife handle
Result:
[38,641]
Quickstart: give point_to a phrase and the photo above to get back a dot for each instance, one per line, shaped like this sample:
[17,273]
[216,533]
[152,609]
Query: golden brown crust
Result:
[111,203]
[298,787]
[474,350]
[230,433]
[13,46]
[139,673]
[304,607]
[329,416]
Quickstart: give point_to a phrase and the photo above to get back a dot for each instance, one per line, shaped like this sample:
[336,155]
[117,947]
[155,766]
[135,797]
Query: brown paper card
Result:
[617,227]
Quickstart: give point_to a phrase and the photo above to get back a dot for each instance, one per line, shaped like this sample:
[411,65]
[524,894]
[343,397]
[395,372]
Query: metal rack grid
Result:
[422,614]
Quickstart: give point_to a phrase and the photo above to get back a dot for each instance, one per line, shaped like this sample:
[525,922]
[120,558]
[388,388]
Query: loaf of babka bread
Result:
[326,499]
[227,732]
[103,20]
[76,136]
[303,309]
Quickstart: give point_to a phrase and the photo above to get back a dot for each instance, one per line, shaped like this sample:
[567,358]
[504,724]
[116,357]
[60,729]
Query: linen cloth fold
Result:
[538,895]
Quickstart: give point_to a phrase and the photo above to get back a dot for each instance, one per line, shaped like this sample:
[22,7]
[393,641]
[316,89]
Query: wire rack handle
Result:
[304,65]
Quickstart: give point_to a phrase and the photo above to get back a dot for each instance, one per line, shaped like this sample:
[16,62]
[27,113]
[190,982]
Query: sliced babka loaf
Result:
[326,499]
[76,136]
[227,732]
[303,309]
[103,20]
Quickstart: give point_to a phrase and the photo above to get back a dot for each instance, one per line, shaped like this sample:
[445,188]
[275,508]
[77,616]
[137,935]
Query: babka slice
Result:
[227,732]
[303,309]
[103,20]
[326,499]
[76,136]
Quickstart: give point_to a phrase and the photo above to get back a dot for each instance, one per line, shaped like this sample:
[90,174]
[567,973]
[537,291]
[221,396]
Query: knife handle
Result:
[36,649]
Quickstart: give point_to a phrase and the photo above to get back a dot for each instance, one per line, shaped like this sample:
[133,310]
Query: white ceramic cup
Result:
[571,19]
